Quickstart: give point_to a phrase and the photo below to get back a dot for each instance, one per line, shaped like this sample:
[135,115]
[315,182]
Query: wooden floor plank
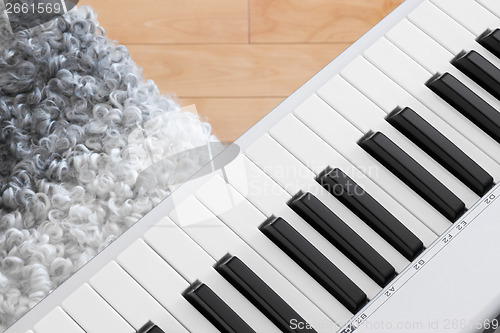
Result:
[231,117]
[233,70]
[173,21]
[200,50]
[318,21]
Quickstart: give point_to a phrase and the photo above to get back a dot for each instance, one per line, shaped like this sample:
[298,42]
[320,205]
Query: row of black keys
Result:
[436,145]
[366,207]
[483,73]
[307,256]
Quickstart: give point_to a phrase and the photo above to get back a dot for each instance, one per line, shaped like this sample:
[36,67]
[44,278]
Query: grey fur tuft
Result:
[69,101]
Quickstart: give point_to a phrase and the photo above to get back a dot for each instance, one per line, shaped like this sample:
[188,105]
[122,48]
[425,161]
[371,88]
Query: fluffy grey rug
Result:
[76,117]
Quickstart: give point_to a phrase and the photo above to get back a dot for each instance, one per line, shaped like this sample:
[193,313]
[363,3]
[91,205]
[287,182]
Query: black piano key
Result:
[260,294]
[413,174]
[369,210]
[215,309]
[480,70]
[150,327]
[155,329]
[491,41]
[314,263]
[467,103]
[441,149]
[314,212]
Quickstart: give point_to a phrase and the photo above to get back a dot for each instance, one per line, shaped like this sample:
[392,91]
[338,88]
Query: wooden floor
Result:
[235,59]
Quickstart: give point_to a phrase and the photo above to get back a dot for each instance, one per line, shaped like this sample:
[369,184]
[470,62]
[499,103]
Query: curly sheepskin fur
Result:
[70,100]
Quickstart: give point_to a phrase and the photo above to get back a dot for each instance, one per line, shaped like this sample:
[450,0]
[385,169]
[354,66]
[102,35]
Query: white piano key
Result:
[446,31]
[321,118]
[193,263]
[441,27]
[432,56]
[419,46]
[366,116]
[220,241]
[264,192]
[272,158]
[412,77]
[57,321]
[209,232]
[492,5]
[272,199]
[178,250]
[131,301]
[164,284]
[92,312]
[315,153]
[385,93]
[244,219]
[470,14]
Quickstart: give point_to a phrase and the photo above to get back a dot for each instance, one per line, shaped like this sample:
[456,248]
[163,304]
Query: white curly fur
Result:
[70,100]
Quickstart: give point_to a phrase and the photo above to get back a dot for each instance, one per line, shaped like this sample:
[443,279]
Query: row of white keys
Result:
[131,301]
[366,116]
[455,37]
[388,95]
[432,56]
[193,263]
[412,77]
[57,321]
[244,219]
[446,31]
[218,240]
[454,25]
[470,14]
[271,199]
[293,176]
[304,144]
[343,137]
[164,284]
[93,313]
[492,5]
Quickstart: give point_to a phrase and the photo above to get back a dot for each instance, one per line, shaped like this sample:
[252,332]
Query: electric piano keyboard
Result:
[366,201]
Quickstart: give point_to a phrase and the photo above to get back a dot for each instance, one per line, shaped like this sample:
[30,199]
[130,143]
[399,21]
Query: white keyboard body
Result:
[451,287]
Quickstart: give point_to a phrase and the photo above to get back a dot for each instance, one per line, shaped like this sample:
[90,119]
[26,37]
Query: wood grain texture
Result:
[173,21]
[315,21]
[231,117]
[235,59]
[233,70]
